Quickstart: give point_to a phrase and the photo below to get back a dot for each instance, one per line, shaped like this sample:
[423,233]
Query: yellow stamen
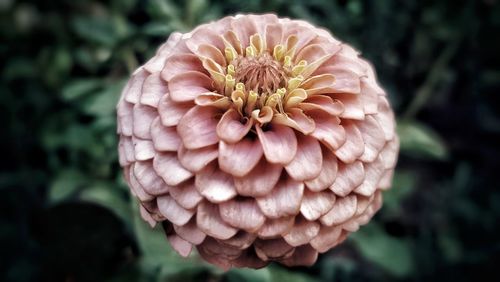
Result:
[295,82]
[297,69]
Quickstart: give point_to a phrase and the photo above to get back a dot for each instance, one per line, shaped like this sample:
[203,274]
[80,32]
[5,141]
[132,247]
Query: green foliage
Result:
[67,214]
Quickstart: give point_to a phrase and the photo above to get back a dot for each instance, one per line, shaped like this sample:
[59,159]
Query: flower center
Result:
[261,74]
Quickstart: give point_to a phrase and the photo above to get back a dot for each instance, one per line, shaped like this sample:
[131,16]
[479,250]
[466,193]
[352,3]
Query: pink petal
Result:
[173,211]
[274,35]
[343,209]
[146,216]
[231,129]
[186,194]
[170,169]
[197,127]
[143,149]
[241,240]
[133,89]
[329,131]
[181,246]
[268,176]
[284,199]
[211,52]
[125,118]
[164,138]
[386,180]
[179,64]
[272,249]
[244,27]
[171,112]
[302,232]
[353,106]
[296,119]
[143,117]
[152,90]
[204,36]
[214,184]
[136,188]
[195,160]
[149,180]
[349,176]
[242,214]
[126,149]
[304,255]
[373,137]
[308,160]
[303,34]
[273,228]
[187,86]
[279,143]
[327,175]
[190,232]
[323,103]
[353,147]
[385,118]
[319,84]
[210,222]
[327,238]
[249,259]
[316,204]
[389,153]
[369,97]
[346,81]
[373,174]
[240,158]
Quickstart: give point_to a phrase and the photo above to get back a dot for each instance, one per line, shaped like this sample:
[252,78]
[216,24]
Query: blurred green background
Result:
[66,214]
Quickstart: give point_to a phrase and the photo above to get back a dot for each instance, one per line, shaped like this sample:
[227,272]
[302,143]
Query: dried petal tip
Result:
[256,139]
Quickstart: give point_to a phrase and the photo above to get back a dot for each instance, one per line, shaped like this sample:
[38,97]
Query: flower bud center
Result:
[261,74]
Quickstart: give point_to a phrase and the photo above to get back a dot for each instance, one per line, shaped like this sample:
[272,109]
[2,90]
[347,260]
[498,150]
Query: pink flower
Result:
[256,139]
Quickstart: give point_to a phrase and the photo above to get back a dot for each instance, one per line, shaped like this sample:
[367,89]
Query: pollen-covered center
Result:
[262,74]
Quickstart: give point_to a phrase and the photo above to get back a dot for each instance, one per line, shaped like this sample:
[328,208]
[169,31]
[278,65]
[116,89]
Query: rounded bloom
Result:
[256,139]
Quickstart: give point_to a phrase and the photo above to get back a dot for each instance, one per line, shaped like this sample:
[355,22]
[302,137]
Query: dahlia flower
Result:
[256,139]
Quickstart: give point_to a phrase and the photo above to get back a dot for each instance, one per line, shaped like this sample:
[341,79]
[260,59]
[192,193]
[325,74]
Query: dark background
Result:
[66,214]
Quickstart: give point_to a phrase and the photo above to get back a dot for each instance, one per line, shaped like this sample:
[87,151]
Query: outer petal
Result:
[279,143]
[308,159]
[214,184]
[164,138]
[316,204]
[172,211]
[181,246]
[250,185]
[240,158]
[284,200]
[242,214]
[190,232]
[210,222]
[373,137]
[327,238]
[195,160]
[149,180]
[354,146]
[304,255]
[343,209]
[327,175]
[302,232]
[187,86]
[152,90]
[171,112]
[197,127]
[231,129]
[170,169]
[274,228]
[329,131]
[186,194]
[349,176]
[143,117]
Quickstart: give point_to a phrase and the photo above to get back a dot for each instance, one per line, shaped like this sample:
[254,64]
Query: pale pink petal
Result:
[329,131]
[369,97]
[249,259]
[302,232]
[353,147]
[244,27]
[268,176]
[170,169]
[327,238]
[187,86]
[284,199]
[146,216]
[373,137]
[272,249]
[214,184]
[190,232]
[349,176]
[304,255]
[143,149]
[242,213]
[303,34]
[136,188]
[153,89]
[126,149]
[157,63]
[385,118]
[363,203]
[125,118]
[181,246]
[353,106]
[241,240]
[389,153]
[143,117]
[202,36]
[149,180]
[240,158]
[316,204]
[173,211]
[197,127]
[343,209]
[319,84]
[323,103]
[186,194]
[308,160]
[346,81]
[273,228]
[164,138]
[195,160]
[296,119]
[327,175]
[211,52]
[386,180]
[133,89]
[181,63]
[231,128]
[279,143]
[209,221]
[171,112]
[222,262]
[373,173]
[274,34]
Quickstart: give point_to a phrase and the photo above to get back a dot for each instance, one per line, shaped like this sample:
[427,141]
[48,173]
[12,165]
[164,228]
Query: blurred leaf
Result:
[105,194]
[248,275]
[418,140]
[403,185]
[65,184]
[96,30]
[80,87]
[281,274]
[104,102]
[392,254]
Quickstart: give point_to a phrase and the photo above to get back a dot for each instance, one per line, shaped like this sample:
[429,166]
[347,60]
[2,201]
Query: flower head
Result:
[256,139]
